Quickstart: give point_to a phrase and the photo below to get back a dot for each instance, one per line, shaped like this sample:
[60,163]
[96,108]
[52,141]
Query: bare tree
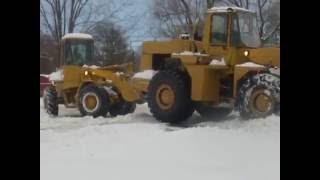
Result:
[272,23]
[58,17]
[48,46]
[62,16]
[111,44]
[174,17]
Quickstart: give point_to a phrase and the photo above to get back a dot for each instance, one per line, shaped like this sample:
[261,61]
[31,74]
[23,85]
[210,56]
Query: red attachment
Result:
[44,82]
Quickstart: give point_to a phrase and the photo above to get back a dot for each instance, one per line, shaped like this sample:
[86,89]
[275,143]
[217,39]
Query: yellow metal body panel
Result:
[188,59]
[167,47]
[146,61]
[72,76]
[140,84]
[205,83]
[269,55]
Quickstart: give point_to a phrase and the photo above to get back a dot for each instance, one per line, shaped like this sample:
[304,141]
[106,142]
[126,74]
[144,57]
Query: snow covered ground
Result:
[137,147]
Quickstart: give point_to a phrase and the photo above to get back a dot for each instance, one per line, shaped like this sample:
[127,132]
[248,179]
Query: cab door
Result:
[74,53]
[218,38]
[72,76]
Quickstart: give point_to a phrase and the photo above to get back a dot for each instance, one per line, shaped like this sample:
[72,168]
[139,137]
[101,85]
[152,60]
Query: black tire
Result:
[215,113]
[102,98]
[50,101]
[180,84]
[122,108]
[266,82]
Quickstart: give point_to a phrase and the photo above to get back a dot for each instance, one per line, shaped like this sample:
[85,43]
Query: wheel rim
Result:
[261,101]
[90,102]
[165,97]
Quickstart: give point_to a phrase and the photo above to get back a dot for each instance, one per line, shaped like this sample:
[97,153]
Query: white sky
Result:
[142,19]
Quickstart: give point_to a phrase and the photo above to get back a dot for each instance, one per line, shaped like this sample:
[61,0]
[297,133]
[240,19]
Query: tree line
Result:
[169,18]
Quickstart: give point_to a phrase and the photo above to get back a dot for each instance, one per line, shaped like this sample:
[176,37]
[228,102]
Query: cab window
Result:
[219,27]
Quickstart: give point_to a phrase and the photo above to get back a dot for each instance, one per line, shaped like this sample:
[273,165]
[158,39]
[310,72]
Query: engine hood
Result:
[265,56]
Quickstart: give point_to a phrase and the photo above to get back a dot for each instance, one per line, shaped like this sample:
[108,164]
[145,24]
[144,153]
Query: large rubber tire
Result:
[50,101]
[102,101]
[122,108]
[264,82]
[214,113]
[182,107]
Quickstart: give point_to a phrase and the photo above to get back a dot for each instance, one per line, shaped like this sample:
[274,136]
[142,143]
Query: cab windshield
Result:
[78,52]
[246,27]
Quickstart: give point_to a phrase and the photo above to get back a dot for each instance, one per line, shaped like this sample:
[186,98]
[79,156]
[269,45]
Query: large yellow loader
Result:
[225,70]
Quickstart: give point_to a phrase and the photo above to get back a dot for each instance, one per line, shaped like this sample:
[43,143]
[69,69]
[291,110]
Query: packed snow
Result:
[226,8]
[45,75]
[56,76]
[91,67]
[215,62]
[249,64]
[182,36]
[138,147]
[77,36]
[146,74]
[119,73]
[275,71]
[189,53]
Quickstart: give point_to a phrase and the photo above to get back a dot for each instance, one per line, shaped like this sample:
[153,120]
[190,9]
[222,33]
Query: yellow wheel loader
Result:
[226,69]
[95,91]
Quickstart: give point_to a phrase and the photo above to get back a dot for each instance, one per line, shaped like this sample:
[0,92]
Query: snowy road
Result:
[137,147]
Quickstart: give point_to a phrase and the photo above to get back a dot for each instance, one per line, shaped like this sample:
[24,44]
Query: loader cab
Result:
[77,49]
[231,27]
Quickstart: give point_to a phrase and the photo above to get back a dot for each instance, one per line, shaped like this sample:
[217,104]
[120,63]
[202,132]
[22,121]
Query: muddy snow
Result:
[138,147]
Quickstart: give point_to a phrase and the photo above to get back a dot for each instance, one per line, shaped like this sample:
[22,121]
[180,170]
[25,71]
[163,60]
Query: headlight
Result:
[246,53]
[86,73]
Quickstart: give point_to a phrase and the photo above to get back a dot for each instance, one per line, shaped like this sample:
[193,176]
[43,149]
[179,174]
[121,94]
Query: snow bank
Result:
[45,75]
[147,74]
[136,146]
[215,62]
[183,36]
[91,67]
[56,76]
[77,36]
[249,64]
[189,53]
[119,73]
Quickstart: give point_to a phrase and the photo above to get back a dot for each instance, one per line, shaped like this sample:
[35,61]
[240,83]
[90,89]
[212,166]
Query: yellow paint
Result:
[260,101]
[265,56]
[204,83]
[140,84]
[165,97]
[146,61]
[72,76]
[91,102]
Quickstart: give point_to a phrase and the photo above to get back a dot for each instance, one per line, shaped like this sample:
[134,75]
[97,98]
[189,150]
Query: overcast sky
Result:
[141,11]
